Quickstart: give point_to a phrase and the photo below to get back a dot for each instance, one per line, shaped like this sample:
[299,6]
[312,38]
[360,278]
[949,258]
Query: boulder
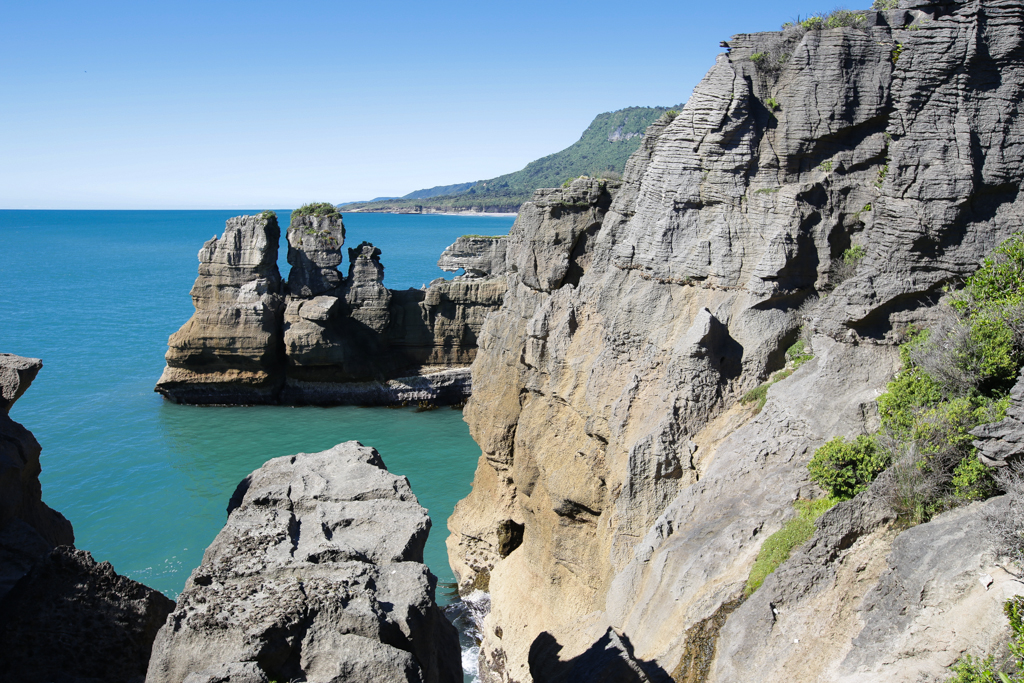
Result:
[317,575]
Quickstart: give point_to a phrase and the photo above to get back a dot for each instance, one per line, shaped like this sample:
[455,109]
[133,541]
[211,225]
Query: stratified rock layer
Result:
[479,256]
[230,350]
[317,575]
[28,528]
[328,339]
[606,387]
[1002,443]
[314,253]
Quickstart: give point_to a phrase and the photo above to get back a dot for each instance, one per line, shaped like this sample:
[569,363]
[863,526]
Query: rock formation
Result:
[623,492]
[1002,443]
[324,338]
[73,619]
[479,256]
[28,528]
[63,617]
[230,350]
[317,575]
[314,253]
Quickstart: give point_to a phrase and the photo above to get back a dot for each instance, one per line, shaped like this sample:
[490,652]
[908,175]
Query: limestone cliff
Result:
[318,575]
[322,338]
[623,492]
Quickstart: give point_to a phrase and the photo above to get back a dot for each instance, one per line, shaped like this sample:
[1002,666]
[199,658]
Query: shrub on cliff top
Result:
[318,209]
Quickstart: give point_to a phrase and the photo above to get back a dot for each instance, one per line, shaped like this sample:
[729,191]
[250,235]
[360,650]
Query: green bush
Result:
[844,469]
[885,4]
[798,353]
[772,104]
[777,548]
[318,209]
[953,379]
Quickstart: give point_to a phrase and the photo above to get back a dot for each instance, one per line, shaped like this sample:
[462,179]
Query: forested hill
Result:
[601,151]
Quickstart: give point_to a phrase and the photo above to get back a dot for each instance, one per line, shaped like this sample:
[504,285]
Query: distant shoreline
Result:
[439,213]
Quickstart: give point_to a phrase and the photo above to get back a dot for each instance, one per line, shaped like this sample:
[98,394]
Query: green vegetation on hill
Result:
[600,152]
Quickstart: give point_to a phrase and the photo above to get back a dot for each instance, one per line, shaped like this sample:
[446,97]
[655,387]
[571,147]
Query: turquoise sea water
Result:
[145,483]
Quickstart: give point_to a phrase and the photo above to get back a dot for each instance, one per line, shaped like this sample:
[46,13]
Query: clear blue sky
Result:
[272,104]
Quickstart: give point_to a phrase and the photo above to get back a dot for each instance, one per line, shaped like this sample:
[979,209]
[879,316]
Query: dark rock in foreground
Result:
[28,528]
[317,575]
[63,617]
[73,620]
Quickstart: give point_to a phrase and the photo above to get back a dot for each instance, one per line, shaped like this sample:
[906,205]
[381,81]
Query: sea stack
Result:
[230,351]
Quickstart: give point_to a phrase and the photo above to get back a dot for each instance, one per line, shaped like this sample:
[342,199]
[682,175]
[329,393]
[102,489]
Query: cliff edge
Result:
[624,491]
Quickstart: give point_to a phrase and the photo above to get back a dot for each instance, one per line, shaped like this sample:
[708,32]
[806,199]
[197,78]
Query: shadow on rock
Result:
[609,660]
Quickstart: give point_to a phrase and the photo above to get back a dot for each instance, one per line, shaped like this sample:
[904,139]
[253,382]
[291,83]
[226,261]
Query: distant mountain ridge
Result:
[601,151]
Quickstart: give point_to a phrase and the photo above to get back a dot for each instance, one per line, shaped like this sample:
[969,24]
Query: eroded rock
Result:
[29,529]
[606,395]
[317,575]
[230,350]
[74,620]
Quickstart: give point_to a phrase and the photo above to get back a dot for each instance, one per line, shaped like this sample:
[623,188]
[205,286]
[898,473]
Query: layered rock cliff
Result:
[29,529]
[623,491]
[63,616]
[321,337]
[318,575]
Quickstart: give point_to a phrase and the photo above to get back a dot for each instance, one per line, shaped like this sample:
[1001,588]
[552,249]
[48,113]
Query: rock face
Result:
[1002,443]
[28,528]
[621,485]
[322,338]
[63,617]
[230,350]
[317,575]
[71,619]
[478,256]
[314,252]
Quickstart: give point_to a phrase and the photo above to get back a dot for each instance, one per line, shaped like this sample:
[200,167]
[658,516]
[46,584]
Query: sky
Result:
[194,105]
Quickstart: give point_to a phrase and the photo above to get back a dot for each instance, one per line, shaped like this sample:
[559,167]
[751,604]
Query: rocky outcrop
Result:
[323,338]
[28,528]
[317,575]
[479,256]
[856,604]
[75,620]
[1002,443]
[230,350]
[63,617]
[314,253]
[622,486]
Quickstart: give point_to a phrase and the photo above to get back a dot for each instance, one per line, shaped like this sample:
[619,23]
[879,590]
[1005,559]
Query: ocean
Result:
[95,294]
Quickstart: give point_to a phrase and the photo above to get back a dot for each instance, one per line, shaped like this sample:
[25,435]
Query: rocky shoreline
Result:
[318,575]
[655,362]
